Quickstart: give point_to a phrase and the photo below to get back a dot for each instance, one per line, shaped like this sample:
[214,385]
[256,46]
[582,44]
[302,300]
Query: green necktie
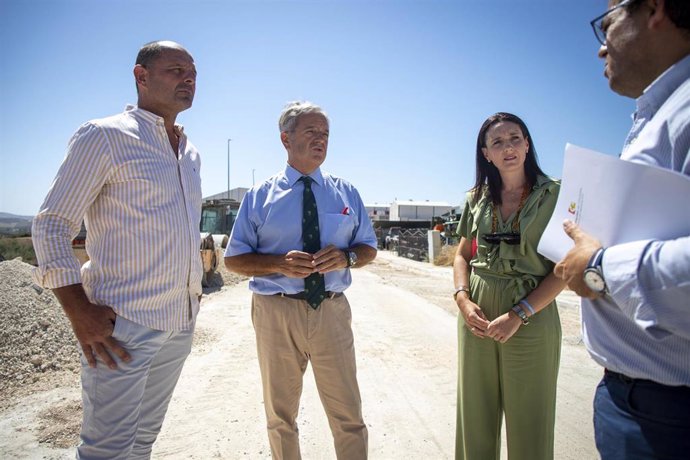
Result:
[314,285]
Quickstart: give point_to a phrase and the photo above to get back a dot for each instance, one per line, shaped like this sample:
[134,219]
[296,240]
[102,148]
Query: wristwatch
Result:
[517,309]
[593,275]
[351,257]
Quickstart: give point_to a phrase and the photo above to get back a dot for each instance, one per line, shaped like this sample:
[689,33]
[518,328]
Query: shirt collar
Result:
[293,175]
[150,117]
[542,181]
[665,84]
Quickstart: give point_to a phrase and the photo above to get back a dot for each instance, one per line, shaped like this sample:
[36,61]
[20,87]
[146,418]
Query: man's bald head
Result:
[150,51]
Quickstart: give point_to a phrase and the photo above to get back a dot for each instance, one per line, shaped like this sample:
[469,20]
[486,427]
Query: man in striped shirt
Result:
[635,310]
[134,180]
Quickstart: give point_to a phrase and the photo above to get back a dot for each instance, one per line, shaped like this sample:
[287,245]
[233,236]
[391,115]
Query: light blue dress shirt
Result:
[269,221]
[642,329]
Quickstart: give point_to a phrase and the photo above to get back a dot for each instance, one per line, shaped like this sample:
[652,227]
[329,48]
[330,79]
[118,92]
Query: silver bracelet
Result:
[459,290]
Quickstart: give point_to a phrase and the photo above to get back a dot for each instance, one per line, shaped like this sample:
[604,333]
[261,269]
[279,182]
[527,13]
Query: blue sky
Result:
[407,84]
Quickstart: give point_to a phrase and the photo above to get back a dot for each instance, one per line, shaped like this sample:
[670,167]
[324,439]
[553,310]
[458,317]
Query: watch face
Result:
[594,280]
[353,257]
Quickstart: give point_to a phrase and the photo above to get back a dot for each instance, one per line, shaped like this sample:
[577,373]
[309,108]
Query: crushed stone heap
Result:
[35,335]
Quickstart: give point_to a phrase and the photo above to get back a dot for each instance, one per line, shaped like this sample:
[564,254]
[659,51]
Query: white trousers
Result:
[124,408]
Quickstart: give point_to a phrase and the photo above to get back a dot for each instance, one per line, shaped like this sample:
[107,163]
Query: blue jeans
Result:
[640,419]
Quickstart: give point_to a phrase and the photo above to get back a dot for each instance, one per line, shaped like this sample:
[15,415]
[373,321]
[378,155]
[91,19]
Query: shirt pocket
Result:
[337,229]
[154,182]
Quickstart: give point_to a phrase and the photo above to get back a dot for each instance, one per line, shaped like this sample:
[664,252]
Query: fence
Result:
[413,244]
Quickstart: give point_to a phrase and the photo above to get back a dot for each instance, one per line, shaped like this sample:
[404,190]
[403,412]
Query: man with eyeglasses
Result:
[635,306]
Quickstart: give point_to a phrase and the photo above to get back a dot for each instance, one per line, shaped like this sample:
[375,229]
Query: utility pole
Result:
[229,168]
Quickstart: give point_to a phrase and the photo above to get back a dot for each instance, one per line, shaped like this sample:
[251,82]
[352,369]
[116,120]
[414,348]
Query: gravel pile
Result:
[36,338]
[35,335]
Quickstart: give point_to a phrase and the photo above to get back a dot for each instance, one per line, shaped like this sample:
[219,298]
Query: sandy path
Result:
[404,323]
[405,336]
[406,356]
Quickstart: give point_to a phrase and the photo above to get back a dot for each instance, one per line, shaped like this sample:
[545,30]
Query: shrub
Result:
[447,256]
[11,248]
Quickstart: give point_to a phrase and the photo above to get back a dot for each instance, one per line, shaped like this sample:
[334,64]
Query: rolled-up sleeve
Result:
[76,185]
[243,238]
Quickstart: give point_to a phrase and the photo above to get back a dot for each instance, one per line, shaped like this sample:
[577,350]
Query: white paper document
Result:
[616,201]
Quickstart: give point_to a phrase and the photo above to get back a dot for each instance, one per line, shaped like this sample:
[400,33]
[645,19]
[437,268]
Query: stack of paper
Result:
[616,201]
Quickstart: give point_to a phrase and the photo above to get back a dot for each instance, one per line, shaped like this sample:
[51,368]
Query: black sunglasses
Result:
[511,238]
[597,23]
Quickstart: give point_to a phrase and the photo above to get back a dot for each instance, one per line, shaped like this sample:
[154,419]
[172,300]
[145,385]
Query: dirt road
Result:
[405,336]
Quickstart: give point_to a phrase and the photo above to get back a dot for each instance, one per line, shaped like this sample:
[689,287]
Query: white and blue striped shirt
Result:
[141,203]
[642,329]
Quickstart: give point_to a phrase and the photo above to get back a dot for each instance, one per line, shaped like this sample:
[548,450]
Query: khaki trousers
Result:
[289,334]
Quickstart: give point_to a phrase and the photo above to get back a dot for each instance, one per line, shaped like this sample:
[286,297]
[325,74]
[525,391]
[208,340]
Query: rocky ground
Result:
[38,350]
[36,340]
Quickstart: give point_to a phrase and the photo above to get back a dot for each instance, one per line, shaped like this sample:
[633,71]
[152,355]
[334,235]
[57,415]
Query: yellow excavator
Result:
[217,218]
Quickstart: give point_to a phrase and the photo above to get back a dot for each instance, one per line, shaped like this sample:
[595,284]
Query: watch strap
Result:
[517,309]
[595,260]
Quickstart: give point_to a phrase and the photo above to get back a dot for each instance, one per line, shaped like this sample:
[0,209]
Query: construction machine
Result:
[217,218]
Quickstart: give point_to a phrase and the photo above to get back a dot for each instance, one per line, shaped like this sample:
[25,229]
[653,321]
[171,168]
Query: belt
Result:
[651,385]
[623,377]
[626,379]
[302,296]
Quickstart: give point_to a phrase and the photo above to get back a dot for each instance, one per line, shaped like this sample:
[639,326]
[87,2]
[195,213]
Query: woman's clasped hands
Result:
[500,329]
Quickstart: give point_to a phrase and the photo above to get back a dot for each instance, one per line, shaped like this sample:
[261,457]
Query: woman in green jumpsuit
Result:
[509,332]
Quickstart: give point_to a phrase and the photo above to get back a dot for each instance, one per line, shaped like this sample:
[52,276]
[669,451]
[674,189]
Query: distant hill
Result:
[13,225]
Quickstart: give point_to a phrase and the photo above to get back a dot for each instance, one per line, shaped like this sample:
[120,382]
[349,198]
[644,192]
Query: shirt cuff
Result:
[620,266]
[56,277]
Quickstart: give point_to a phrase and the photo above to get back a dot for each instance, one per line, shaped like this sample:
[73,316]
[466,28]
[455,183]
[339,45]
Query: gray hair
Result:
[294,110]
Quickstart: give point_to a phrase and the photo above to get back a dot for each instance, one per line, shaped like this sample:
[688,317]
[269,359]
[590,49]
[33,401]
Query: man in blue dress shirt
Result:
[636,307]
[291,327]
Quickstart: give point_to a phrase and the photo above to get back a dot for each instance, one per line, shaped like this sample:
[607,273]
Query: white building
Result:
[378,211]
[418,210]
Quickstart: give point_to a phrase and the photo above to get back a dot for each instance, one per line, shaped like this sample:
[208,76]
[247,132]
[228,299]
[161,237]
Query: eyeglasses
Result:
[511,238]
[597,23]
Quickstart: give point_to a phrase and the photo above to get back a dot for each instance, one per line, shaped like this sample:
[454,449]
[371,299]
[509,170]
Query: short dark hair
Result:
[487,173]
[678,11]
[149,52]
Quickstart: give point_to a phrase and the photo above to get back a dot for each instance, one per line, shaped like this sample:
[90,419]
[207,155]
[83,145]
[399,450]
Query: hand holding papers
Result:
[616,201]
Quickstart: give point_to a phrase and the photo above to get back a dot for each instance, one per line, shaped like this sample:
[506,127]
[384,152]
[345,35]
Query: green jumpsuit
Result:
[517,378]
